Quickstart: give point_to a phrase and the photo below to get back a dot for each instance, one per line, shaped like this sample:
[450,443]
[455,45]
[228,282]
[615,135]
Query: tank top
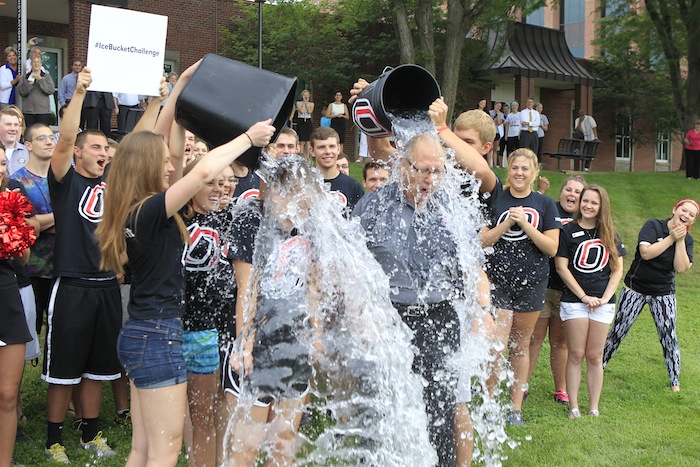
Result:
[338,109]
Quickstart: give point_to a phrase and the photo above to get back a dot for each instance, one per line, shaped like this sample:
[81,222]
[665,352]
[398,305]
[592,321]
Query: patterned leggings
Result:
[663,310]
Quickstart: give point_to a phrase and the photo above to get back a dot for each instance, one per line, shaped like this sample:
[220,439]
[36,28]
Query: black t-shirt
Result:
[154,247]
[589,260]
[516,261]
[78,204]
[209,273]
[555,281]
[247,187]
[346,190]
[655,276]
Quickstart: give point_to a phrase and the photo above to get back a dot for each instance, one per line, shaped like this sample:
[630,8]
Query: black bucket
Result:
[225,97]
[404,89]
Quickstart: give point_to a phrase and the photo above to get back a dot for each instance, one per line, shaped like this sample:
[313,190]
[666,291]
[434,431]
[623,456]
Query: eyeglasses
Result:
[426,172]
[43,138]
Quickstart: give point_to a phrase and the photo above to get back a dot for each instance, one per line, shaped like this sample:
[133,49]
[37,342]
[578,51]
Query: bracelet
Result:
[441,129]
[249,139]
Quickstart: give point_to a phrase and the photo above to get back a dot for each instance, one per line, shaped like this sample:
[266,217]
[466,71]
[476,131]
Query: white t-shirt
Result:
[587,127]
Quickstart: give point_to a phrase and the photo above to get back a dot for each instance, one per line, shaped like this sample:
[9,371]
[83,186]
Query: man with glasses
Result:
[407,233]
[40,145]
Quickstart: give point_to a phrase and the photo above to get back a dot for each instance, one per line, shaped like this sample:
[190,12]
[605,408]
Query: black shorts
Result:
[83,324]
[519,299]
[14,324]
[230,381]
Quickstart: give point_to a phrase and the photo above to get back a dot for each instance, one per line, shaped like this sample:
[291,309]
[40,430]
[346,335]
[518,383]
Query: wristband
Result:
[441,129]
[249,139]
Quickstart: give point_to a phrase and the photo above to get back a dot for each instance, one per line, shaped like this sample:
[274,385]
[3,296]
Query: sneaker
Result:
[57,453]
[515,418]
[574,413]
[98,445]
[594,413]
[123,419]
[562,397]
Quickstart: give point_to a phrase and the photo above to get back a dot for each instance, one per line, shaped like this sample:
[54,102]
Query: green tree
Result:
[326,51]
[649,50]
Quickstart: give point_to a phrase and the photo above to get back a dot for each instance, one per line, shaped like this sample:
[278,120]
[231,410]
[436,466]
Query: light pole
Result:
[260,5]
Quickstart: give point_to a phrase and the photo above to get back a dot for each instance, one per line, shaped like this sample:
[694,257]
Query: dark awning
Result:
[535,52]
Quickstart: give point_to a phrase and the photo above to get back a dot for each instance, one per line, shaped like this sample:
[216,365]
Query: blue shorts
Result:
[201,351]
[151,352]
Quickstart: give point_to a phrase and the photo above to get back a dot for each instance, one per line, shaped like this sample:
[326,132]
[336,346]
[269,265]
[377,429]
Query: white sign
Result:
[126,50]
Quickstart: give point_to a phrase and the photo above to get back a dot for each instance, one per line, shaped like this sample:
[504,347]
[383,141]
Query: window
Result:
[572,16]
[623,135]
[663,147]
[536,18]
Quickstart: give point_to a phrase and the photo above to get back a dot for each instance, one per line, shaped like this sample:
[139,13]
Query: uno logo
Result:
[591,256]
[294,254]
[364,117]
[91,205]
[251,193]
[203,251]
[564,220]
[515,233]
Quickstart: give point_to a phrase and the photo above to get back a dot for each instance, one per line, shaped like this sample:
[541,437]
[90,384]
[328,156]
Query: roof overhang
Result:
[534,52]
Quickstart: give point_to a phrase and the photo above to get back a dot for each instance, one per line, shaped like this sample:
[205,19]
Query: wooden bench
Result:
[574,149]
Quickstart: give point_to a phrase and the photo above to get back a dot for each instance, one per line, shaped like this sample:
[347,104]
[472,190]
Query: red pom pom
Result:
[16,235]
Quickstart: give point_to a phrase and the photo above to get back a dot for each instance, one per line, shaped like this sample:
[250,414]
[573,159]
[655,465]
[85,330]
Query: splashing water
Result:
[359,347]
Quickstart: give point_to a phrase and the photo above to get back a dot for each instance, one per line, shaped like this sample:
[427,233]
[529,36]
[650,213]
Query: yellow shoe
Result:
[57,453]
[98,445]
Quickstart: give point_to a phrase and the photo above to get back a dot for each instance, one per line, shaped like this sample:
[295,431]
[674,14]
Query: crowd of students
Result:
[176,227]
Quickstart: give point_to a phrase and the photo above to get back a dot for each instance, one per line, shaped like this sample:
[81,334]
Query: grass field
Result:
[642,422]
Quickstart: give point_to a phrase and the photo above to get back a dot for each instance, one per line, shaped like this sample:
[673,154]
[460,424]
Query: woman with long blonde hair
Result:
[524,232]
[589,261]
[141,225]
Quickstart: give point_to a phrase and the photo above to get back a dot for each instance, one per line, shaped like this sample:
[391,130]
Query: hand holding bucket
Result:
[406,88]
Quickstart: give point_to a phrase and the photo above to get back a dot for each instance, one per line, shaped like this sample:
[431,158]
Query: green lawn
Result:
[641,423]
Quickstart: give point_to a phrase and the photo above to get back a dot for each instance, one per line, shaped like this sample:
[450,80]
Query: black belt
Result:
[420,310]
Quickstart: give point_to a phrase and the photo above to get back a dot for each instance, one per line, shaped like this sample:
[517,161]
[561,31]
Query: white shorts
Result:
[603,314]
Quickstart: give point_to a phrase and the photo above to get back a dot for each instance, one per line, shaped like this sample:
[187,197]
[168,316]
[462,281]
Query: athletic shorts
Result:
[603,314]
[552,300]
[519,299]
[230,381]
[201,351]
[32,350]
[83,325]
[14,324]
[151,352]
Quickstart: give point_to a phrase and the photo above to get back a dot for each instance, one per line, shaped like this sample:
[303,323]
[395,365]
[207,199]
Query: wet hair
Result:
[479,121]
[531,157]
[374,165]
[421,138]
[83,135]
[608,235]
[572,178]
[323,133]
[136,174]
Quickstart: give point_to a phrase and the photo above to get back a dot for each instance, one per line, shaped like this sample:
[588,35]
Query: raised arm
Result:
[209,166]
[167,115]
[150,115]
[63,153]
[467,157]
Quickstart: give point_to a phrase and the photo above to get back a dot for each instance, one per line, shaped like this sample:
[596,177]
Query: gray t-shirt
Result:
[414,248]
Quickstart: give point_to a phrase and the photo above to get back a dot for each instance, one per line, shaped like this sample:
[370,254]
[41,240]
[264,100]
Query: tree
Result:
[326,51]
[441,30]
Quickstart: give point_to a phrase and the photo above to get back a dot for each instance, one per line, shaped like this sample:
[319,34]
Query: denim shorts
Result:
[151,352]
[201,351]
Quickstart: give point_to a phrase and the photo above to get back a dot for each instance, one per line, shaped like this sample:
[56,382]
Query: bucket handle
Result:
[387,68]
